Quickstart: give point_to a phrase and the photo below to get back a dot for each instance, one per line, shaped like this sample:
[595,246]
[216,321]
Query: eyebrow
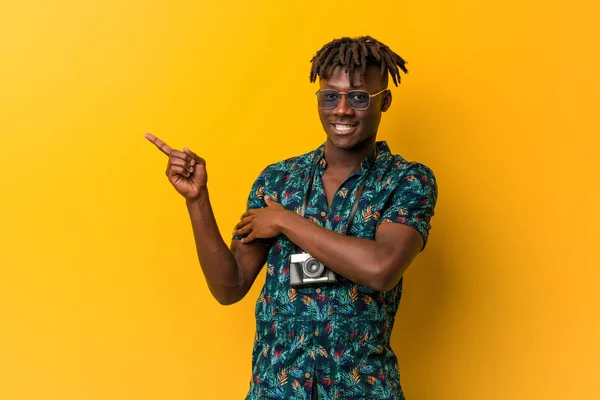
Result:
[339,88]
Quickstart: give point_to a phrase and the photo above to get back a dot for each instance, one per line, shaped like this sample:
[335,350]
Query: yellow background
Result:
[101,296]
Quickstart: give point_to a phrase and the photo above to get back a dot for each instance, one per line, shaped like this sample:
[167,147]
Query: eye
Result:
[330,96]
[358,96]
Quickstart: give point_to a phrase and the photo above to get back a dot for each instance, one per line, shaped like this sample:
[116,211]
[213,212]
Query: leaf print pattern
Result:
[338,336]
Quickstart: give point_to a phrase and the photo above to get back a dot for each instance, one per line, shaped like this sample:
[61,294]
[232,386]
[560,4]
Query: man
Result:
[352,205]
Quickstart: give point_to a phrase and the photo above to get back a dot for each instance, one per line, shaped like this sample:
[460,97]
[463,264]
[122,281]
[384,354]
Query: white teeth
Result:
[341,127]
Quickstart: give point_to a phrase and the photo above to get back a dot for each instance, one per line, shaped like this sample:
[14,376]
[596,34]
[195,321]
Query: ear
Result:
[387,101]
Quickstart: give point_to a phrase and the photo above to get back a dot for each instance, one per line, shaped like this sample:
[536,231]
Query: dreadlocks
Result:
[352,53]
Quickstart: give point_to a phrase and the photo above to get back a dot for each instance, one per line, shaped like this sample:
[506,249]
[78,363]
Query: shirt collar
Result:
[382,150]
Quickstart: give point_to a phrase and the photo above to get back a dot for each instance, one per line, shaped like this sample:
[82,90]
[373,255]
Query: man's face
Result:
[345,127]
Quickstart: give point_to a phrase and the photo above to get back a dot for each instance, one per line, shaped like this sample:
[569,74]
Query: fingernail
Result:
[192,162]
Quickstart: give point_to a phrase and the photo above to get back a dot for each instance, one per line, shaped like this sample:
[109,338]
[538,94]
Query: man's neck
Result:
[345,161]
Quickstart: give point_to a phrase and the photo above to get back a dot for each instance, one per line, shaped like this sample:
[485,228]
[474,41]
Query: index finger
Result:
[247,213]
[162,146]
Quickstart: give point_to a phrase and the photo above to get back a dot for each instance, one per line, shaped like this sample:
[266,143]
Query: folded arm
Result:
[378,264]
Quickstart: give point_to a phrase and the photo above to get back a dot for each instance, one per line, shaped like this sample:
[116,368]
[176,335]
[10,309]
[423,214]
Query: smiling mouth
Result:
[344,128]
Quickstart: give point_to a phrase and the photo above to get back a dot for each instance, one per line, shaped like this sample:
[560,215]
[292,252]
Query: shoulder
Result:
[417,170]
[290,165]
[402,168]
[403,175]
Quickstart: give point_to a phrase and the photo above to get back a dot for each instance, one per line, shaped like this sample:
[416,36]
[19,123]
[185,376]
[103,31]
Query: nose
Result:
[343,108]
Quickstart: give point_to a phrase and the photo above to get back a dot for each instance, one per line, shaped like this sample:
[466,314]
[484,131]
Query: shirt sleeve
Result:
[256,200]
[413,201]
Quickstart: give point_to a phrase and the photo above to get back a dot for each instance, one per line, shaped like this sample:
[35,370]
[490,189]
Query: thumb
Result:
[269,200]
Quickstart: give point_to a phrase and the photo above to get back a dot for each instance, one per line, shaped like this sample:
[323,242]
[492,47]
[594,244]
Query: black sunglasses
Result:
[329,99]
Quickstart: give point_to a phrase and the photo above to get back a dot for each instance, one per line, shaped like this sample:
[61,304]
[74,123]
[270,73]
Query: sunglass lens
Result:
[359,99]
[328,99]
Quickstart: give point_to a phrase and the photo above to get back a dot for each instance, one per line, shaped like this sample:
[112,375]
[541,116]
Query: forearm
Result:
[360,260]
[218,264]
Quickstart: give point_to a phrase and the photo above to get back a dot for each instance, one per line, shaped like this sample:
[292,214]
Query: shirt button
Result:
[323,214]
[307,375]
[318,290]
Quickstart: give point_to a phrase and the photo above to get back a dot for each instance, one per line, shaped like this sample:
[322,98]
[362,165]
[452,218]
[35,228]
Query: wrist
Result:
[285,220]
[199,199]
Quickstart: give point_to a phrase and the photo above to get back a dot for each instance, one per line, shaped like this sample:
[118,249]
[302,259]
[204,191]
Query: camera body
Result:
[306,270]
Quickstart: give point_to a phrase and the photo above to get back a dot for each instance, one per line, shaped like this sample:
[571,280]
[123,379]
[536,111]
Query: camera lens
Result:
[312,268]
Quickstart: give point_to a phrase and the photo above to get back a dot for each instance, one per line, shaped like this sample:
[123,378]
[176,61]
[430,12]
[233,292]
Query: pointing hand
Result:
[186,170]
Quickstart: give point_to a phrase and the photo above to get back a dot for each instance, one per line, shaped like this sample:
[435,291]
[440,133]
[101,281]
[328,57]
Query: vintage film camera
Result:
[306,270]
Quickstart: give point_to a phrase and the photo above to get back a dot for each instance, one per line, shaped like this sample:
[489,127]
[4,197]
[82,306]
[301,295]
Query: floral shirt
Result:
[334,336]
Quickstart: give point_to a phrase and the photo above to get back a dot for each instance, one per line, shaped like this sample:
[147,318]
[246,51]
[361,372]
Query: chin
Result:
[349,142]
[344,142]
